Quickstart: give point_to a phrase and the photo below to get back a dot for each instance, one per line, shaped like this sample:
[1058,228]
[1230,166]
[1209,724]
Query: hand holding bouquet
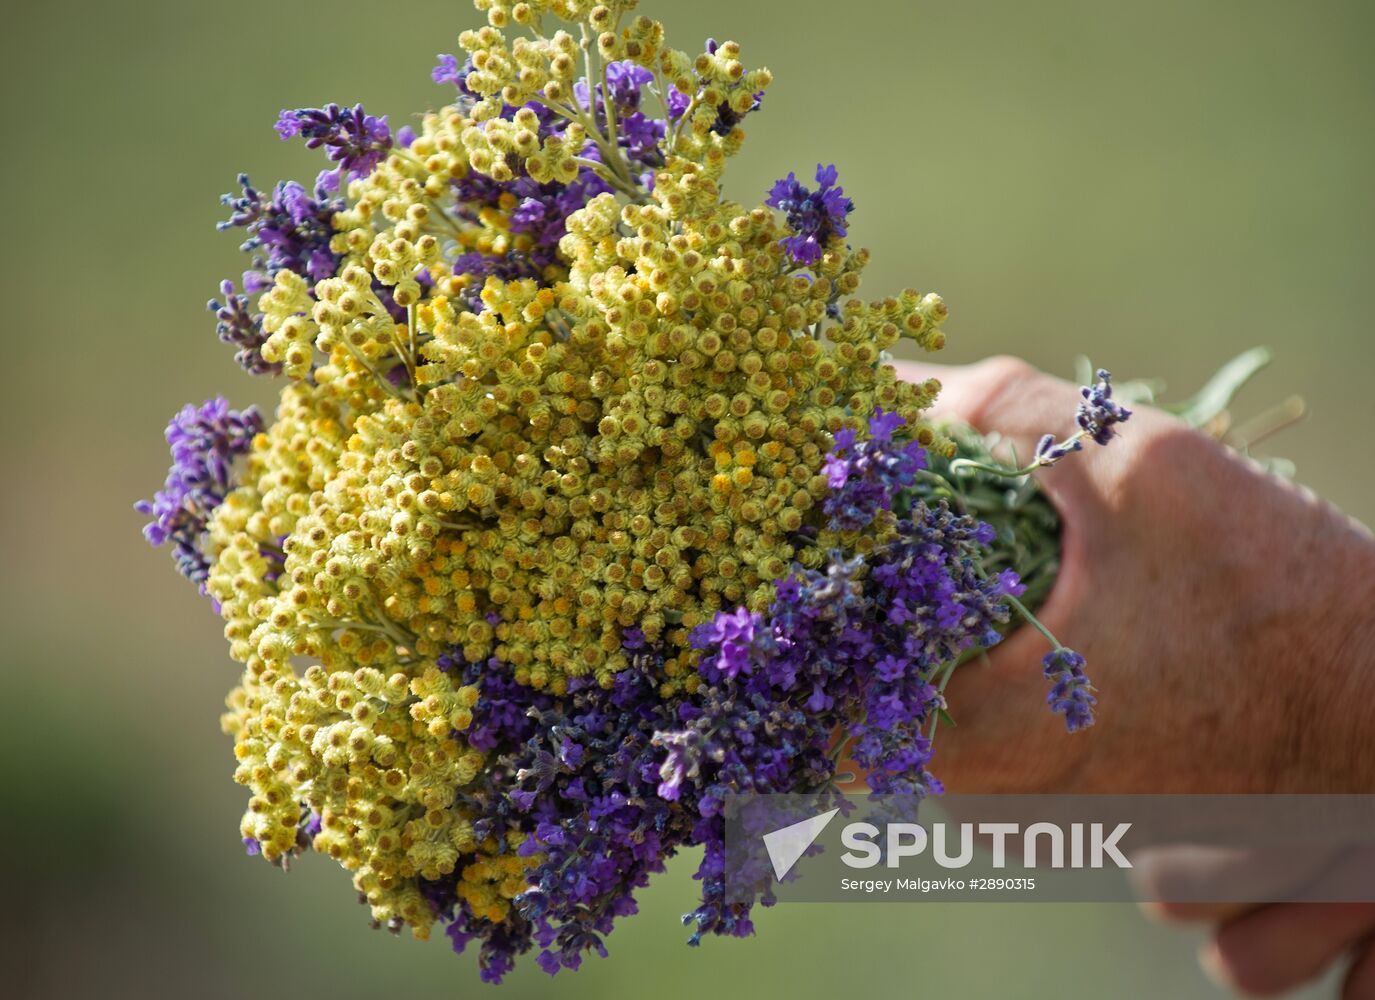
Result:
[590,499]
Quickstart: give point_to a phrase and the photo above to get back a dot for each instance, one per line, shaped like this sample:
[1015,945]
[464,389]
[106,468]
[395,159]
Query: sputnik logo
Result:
[787,845]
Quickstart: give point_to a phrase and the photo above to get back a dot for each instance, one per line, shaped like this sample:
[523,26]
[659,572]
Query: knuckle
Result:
[1002,379]
[1004,368]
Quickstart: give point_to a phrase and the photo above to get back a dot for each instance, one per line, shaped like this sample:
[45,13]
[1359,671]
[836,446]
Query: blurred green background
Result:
[1159,184]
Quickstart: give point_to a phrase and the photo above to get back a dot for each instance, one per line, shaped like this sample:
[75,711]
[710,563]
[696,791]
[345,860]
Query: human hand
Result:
[1225,616]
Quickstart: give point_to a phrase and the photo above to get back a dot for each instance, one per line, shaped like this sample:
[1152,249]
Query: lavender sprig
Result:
[354,139]
[205,440]
[1070,688]
[1097,415]
[286,230]
[815,217]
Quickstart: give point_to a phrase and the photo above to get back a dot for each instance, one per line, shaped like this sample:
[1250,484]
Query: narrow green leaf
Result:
[1222,388]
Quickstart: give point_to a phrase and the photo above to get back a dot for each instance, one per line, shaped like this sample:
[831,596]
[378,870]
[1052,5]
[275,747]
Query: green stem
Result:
[438,209]
[948,671]
[461,525]
[1272,421]
[377,376]
[1033,621]
[681,123]
[407,351]
[610,149]
[960,464]
[661,92]
[607,103]
[600,170]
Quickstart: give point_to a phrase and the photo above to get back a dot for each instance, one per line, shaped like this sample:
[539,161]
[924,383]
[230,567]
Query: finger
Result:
[1360,979]
[1277,948]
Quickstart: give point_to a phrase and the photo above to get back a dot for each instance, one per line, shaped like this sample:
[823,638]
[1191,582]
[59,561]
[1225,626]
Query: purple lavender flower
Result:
[582,785]
[1049,451]
[677,103]
[449,70]
[732,633]
[813,216]
[1098,412]
[243,329]
[865,477]
[544,209]
[1010,582]
[354,139]
[1070,693]
[288,230]
[1096,415]
[205,440]
[681,763]
[541,213]
[637,133]
[624,81]
[640,136]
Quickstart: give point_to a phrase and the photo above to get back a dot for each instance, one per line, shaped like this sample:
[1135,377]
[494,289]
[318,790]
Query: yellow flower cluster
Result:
[634,438]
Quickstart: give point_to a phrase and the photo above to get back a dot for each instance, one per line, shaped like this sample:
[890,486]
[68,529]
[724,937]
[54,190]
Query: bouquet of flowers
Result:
[590,498]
